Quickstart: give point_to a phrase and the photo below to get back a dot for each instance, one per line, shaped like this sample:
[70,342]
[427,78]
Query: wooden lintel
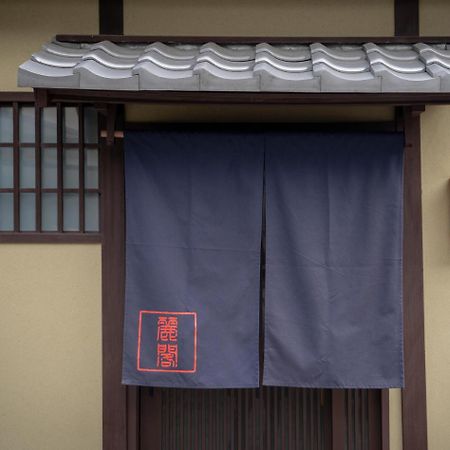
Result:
[248,98]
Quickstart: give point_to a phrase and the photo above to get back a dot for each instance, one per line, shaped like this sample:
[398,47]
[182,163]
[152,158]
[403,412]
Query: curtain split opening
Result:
[331,204]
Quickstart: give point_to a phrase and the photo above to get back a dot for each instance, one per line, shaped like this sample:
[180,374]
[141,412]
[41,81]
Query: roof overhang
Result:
[120,69]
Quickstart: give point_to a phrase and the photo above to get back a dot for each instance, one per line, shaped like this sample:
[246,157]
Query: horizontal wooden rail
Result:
[250,40]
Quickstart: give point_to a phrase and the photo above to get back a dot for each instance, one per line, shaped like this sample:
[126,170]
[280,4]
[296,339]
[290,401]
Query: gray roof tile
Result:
[264,67]
[285,52]
[231,53]
[94,75]
[400,54]
[402,66]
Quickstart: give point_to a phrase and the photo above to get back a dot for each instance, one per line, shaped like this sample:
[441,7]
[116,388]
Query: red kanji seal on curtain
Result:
[167,341]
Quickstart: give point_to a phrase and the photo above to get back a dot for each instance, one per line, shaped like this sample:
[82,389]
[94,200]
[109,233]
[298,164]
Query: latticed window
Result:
[49,169]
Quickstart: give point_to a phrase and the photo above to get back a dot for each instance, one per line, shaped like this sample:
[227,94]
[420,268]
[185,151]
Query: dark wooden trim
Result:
[81,168]
[110,14]
[313,126]
[133,417]
[49,238]
[60,165]
[248,98]
[385,419]
[12,96]
[406,17]
[38,166]
[115,404]
[338,419]
[414,411]
[412,38]
[375,419]
[150,413]
[16,166]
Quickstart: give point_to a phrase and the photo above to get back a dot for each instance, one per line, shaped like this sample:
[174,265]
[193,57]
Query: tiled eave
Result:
[334,71]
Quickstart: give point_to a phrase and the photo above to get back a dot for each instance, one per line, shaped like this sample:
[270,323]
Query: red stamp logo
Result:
[167,342]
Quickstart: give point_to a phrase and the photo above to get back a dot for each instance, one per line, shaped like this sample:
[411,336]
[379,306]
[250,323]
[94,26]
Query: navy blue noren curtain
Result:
[333,282]
[193,236]
[334,260]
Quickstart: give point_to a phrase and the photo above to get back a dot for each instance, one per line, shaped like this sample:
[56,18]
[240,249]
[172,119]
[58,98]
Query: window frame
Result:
[17,100]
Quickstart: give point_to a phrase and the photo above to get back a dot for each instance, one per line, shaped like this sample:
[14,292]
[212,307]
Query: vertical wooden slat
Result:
[59,165]
[16,162]
[374,419]
[81,163]
[232,419]
[414,411]
[327,419]
[357,415]
[38,166]
[151,419]
[133,417]
[339,425]
[385,419]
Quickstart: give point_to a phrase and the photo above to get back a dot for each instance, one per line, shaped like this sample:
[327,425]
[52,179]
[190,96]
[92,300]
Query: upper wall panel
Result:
[26,23]
[260,17]
[434,17]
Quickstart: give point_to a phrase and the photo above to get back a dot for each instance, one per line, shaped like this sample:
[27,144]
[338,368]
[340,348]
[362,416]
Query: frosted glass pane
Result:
[26,124]
[6,124]
[27,212]
[70,172]
[70,125]
[49,209]
[27,168]
[48,125]
[90,126]
[91,169]
[71,212]
[6,167]
[49,166]
[6,212]
[91,213]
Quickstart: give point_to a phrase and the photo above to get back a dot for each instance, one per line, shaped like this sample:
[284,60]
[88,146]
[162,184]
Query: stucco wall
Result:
[50,295]
[260,17]
[436,228]
[26,24]
[50,352]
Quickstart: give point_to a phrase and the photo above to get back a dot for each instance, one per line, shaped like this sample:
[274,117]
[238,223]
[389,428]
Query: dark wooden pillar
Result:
[110,14]
[414,411]
[113,253]
[406,17]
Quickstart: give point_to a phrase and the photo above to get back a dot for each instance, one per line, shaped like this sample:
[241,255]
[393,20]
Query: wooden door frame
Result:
[121,404]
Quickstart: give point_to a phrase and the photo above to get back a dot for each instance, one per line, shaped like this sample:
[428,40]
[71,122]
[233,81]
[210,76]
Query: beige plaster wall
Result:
[260,17]
[436,238]
[50,352]
[50,295]
[26,24]
[434,17]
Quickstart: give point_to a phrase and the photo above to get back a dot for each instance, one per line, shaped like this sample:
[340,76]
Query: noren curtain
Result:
[193,239]
[333,213]
[334,260]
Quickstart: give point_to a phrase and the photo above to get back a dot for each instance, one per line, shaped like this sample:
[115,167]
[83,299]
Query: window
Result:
[49,169]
